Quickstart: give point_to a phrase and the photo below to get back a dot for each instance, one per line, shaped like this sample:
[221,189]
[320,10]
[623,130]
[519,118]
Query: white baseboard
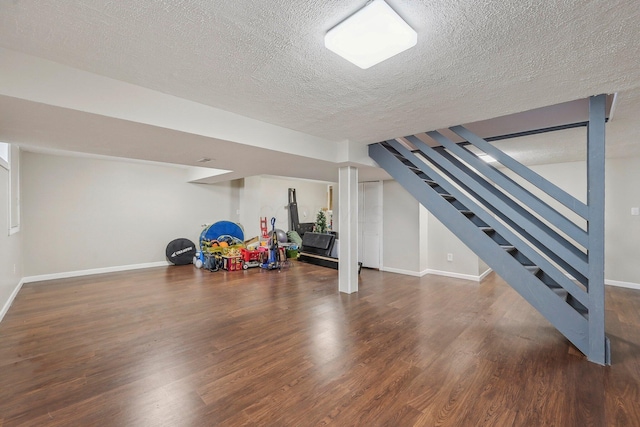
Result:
[622,284]
[617,283]
[405,272]
[437,273]
[485,274]
[13,295]
[459,275]
[78,273]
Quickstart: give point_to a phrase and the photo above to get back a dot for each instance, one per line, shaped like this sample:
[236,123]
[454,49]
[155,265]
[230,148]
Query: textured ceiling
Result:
[266,60]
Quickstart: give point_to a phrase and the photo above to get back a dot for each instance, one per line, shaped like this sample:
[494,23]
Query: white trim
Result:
[4,162]
[619,284]
[381,226]
[613,107]
[77,154]
[14,199]
[485,274]
[68,274]
[405,272]
[13,295]
[457,275]
[437,273]
[616,283]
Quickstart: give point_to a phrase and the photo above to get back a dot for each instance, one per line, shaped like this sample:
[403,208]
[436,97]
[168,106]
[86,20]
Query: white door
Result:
[370,223]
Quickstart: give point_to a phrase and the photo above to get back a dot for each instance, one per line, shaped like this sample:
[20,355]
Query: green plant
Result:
[321,222]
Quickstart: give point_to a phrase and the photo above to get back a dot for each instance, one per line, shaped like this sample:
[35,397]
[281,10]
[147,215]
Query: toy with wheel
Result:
[221,237]
[252,258]
[274,259]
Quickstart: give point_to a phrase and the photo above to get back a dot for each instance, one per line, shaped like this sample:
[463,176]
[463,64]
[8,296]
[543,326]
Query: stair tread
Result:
[532,268]
[404,160]
[577,305]
[552,285]
[560,292]
[582,310]
[541,276]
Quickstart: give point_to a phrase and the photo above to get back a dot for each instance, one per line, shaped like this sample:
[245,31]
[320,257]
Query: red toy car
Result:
[252,258]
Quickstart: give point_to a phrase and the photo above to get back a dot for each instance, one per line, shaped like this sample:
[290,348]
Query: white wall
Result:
[622,230]
[443,242]
[482,267]
[268,196]
[400,229]
[10,248]
[403,222]
[415,242]
[336,207]
[370,224]
[249,203]
[424,238]
[234,207]
[81,213]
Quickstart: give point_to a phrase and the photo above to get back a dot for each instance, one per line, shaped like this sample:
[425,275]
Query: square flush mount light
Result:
[371,35]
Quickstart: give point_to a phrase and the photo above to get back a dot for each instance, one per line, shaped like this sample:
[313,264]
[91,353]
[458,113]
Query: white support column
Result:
[348,233]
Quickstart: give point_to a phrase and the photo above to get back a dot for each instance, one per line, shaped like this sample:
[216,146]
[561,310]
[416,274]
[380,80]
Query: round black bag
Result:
[181,251]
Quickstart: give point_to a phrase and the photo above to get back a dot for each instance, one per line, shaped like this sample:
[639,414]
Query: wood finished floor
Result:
[178,346]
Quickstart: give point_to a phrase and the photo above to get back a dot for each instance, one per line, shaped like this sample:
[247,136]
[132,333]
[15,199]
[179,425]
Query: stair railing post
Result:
[598,351]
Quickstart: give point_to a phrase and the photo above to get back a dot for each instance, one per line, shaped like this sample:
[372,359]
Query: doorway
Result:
[370,224]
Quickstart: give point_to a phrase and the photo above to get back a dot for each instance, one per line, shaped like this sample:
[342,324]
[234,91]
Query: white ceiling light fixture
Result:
[371,35]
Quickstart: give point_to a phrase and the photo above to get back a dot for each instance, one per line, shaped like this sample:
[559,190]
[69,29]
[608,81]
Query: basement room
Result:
[356,213]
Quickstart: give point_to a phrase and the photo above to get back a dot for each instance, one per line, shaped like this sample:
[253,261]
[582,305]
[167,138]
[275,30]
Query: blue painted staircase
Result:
[556,264]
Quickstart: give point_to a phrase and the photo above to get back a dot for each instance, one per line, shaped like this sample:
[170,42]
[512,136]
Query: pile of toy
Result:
[222,247]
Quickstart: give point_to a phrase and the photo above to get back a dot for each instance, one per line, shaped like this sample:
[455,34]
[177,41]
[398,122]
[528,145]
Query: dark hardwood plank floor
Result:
[178,346]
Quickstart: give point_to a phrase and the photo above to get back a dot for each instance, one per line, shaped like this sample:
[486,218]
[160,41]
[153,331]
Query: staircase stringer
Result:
[557,258]
[524,172]
[597,348]
[568,321]
[533,203]
[526,249]
[501,203]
